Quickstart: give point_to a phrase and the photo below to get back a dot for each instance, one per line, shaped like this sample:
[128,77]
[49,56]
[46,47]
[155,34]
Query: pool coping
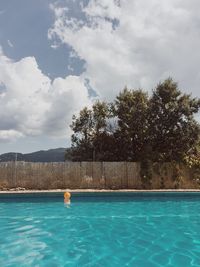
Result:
[7,192]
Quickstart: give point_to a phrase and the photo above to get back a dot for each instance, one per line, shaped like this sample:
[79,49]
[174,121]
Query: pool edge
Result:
[93,192]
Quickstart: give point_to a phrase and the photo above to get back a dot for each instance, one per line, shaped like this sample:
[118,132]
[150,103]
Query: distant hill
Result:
[51,155]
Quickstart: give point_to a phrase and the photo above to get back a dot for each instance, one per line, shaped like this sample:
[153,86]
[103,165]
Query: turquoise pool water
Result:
[139,230]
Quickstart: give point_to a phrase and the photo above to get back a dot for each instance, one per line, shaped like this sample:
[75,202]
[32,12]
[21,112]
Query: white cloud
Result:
[135,43]
[10,135]
[32,105]
[67,97]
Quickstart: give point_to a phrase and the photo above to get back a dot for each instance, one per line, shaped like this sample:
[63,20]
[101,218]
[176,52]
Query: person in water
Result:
[67,201]
[67,197]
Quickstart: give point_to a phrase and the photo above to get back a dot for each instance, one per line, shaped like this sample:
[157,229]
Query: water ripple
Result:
[134,233]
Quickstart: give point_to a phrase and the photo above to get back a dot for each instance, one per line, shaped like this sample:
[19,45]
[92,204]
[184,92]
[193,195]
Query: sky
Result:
[58,56]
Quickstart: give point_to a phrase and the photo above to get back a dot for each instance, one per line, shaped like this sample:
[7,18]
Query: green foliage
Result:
[173,131]
[177,175]
[136,127]
[130,108]
[193,162]
[82,138]
[92,138]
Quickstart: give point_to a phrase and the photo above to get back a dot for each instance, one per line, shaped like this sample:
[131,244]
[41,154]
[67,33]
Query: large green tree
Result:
[136,127]
[130,108]
[173,131]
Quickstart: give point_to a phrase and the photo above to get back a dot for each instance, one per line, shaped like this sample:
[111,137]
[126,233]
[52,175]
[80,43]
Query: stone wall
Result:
[93,175]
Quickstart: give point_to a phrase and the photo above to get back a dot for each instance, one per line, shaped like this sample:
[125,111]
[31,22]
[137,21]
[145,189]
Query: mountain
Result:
[51,155]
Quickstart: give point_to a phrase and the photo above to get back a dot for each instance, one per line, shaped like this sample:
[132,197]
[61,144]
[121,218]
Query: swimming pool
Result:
[118,229]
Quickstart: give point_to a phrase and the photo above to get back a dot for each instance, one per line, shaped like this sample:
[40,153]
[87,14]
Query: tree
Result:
[138,128]
[130,109]
[82,138]
[92,139]
[173,131]
[103,135]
